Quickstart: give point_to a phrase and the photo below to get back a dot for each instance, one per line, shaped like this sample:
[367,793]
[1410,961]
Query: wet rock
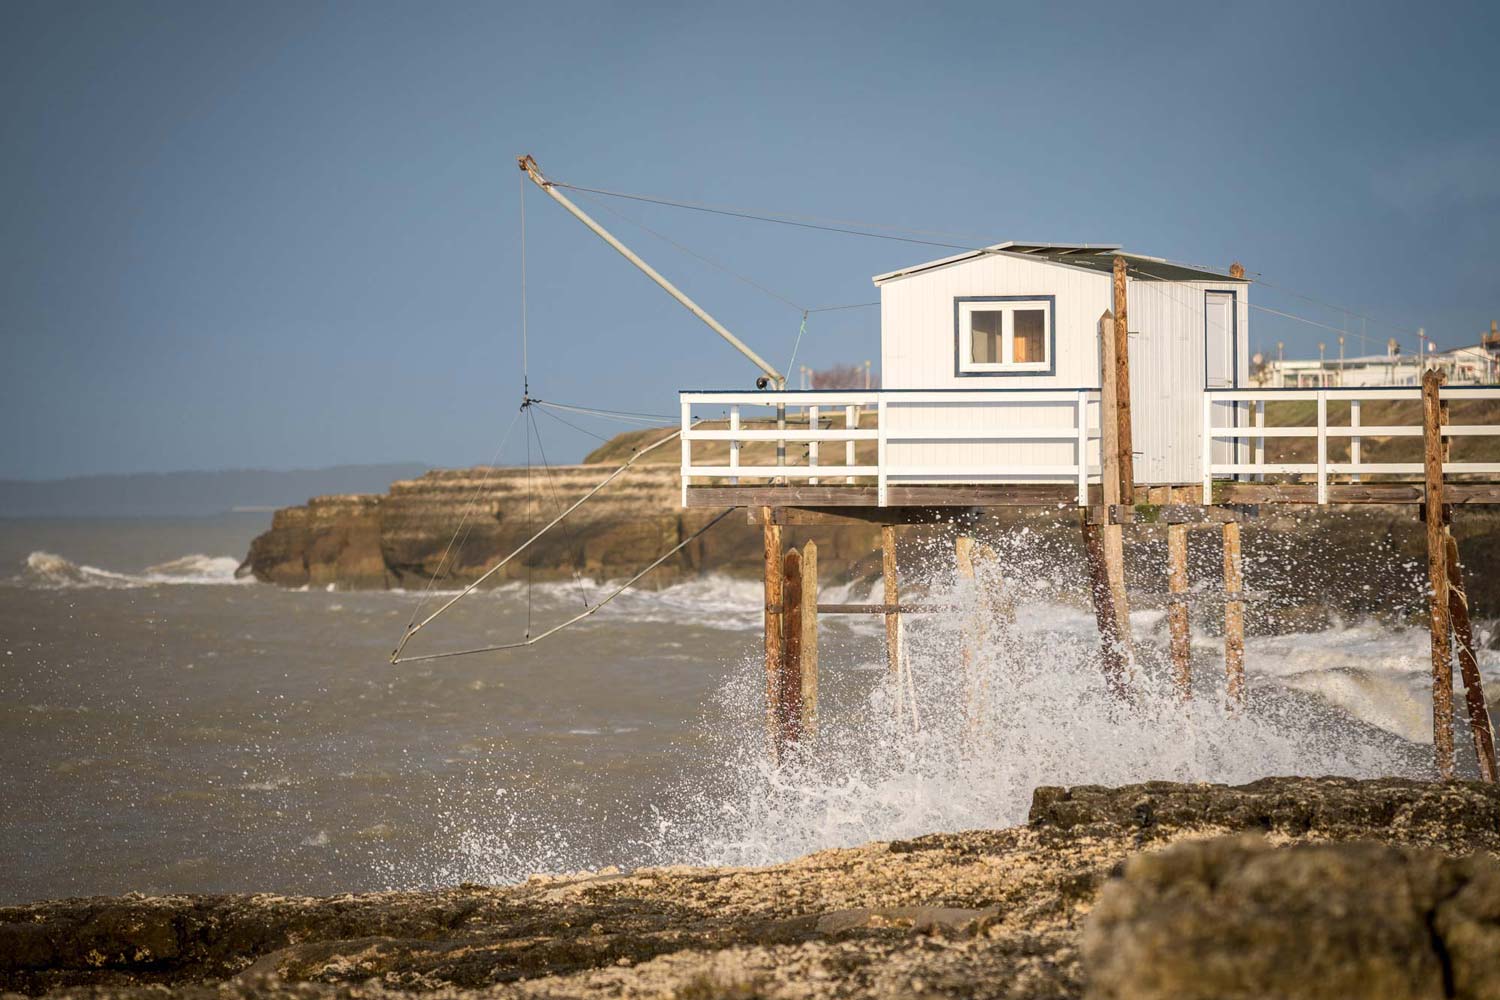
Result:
[1237,918]
[1397,810]
[984,913]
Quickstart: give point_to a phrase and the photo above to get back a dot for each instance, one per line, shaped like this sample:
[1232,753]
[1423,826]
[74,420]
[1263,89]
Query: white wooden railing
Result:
[856,415]
[1237,402]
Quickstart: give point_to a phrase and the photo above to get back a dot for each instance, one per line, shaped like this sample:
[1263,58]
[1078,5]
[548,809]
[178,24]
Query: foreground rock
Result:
[1237,918]
[977,914]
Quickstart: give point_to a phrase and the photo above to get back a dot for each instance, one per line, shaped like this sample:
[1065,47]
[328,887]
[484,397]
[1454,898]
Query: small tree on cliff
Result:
[844,377]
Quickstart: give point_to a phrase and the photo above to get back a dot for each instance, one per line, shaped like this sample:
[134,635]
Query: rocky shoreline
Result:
[455,523]
[1290,887]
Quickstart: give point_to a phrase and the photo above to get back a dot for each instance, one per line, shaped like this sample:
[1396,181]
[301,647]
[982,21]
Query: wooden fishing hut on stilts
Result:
[1079,378]
[1085,378]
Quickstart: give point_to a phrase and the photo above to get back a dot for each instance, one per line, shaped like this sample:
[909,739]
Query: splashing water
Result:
[980,719]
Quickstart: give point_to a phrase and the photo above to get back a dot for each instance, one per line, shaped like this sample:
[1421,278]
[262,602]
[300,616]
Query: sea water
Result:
[165,727]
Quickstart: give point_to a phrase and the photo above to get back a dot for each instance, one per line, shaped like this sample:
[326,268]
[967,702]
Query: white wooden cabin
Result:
[1024,318]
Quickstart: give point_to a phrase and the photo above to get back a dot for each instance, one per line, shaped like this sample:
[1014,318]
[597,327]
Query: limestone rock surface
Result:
[1101,873]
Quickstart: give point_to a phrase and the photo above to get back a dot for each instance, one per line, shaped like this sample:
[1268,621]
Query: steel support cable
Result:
[557,501]
[533,640]
[463,520]
[414,629]
[582,430]
[624,416]
[791,221]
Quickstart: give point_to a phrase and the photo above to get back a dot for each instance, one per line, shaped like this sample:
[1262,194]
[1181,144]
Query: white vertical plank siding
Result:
[919,351]
[1167,364]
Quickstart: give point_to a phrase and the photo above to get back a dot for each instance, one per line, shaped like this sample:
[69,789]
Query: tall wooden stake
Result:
[1116,661]
[810,640]
[892,597]
[1480,726]
[1104,545]
[1125,443]
[772,571]
[1234,616]
[1437,574]
[789,701]
[1177,608]
[974,635]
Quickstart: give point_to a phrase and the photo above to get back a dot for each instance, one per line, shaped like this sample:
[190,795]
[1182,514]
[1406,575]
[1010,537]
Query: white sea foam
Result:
[46,569]
[953,747]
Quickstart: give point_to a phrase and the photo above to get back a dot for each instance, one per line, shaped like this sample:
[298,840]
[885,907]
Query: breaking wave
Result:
[46,569]
[976,721]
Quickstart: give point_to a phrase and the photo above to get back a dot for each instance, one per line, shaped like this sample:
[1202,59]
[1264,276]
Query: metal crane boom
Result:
[529,165]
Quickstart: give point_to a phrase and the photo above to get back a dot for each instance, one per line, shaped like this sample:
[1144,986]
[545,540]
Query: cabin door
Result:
[1219,365]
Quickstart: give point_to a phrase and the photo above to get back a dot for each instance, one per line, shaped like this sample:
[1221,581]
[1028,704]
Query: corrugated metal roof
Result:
[1090,256]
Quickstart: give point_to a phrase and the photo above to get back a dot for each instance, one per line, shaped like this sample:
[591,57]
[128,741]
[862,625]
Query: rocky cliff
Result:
[401,538]
[1287,887]
[1353,561]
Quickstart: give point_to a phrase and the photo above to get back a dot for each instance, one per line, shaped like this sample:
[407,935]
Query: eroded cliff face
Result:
[400,539]
[1308,564]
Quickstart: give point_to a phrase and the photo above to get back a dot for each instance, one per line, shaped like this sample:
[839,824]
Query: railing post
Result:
[734,444]
[812,446]
[1208,448]
[1322,446]
[1260,439]
[851,422]
[687,447]
[1081,408]
[1354,439]
[880,458]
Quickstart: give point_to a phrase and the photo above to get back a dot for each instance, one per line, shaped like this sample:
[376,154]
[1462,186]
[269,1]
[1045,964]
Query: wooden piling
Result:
[1480,726]
[1177,609]
[1106,611]
[1104,545]
[1234,616]
[789,696]
[892,597]
[1437,573]
[1125,441]
[809,650]
[772,573]
[974,635]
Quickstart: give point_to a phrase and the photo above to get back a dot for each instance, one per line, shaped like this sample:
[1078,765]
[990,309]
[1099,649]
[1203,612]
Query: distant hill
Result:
[192,494]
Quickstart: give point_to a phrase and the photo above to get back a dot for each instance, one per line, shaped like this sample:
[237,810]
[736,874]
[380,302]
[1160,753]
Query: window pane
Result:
[1030,335]
[984,327]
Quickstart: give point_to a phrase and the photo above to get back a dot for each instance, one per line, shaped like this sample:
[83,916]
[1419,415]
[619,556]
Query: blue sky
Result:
[286,235]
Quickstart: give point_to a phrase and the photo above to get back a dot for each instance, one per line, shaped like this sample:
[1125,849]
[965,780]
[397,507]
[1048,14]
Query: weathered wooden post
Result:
[892,597]
[1126,440]
[1104,542]
[789,697]
[974,633]
[1234,616]
[1480,726]
[772,572]
[1437,573]
[1177,609]
[809,640]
